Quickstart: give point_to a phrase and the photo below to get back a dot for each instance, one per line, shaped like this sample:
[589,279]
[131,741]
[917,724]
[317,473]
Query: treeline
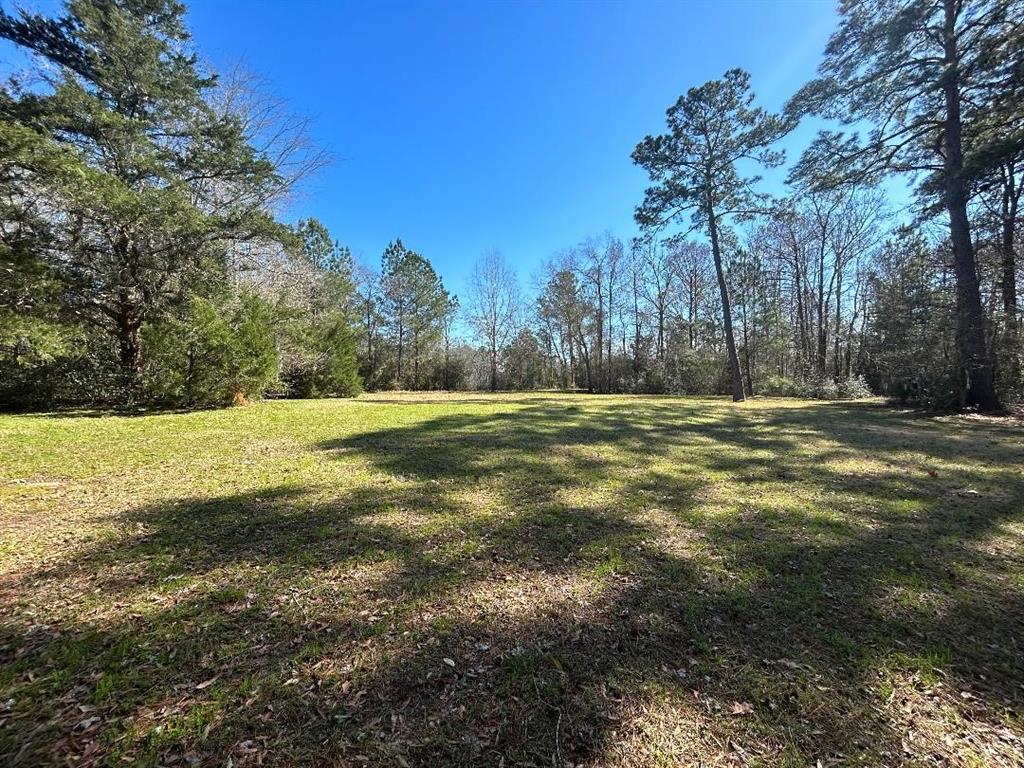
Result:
[144,259]
[819,293]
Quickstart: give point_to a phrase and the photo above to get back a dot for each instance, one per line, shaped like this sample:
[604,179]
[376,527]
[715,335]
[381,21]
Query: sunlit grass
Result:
[545,579]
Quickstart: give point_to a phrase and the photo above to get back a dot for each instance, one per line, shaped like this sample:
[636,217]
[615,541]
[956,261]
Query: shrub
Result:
[780,386]
[212,354]
[854,388]
[689,371]
[30,350]
[319,358]
[818,388]
[338,371]
[939,392]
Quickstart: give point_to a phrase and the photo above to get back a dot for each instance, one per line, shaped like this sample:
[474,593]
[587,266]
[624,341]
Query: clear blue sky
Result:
[465,126]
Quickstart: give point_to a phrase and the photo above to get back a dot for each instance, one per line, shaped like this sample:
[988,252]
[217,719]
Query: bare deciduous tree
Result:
[493,306]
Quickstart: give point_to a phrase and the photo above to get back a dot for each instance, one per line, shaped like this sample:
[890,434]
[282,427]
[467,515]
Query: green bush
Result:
[47,365]
[338,372]
[780,386]
[212,354]
[319,359]
[689,371]
[818,388]
[30,349]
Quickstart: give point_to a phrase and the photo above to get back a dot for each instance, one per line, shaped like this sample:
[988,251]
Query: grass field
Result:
[512,580]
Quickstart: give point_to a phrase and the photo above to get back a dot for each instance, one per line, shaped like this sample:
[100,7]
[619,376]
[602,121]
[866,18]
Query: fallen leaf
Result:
[88,724]
[449,662]
[207,683]
[742,708]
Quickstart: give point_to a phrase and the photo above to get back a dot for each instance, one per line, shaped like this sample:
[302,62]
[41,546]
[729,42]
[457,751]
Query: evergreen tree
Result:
[922,72]
[415,302]
[694,169]
[909,350]
[154,185]
[212,353]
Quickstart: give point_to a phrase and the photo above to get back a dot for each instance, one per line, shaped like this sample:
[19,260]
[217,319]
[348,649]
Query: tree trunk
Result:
[801,313]
[636,327]
[691,311]
[978,383]
[369,343]
[415,359]
[837,363]
[730,341]
[1011,200]
[586,359]
[848,357]
[746,352]
[611,333]
[1008,354]
[401,333]
[129,325]
[572,357]
[822,312]
[447,361]
[600,331]
[661,328]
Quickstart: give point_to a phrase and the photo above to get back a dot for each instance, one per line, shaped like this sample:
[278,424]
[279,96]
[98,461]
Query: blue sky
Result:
[466,126]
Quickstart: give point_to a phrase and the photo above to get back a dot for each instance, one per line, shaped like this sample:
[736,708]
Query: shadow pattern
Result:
[628,583]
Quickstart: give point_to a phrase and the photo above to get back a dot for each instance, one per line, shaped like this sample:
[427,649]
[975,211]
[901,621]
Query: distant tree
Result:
[395,284]
[331,285]
[449,375]
[922,71]
[998,228]
[657,286]
[314,295]
[370,323]
[567,317]
[633,317]
[691,263]
[910,353]
[712,129]
[430,303]
[600,262]
[414,301]
[524,361]
[315,239]
[493,307]
[999,235]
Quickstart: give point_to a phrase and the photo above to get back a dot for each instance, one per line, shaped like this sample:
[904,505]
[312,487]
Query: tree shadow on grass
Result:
[551,585]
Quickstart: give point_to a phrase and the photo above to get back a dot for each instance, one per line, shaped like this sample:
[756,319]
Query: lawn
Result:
[512,580]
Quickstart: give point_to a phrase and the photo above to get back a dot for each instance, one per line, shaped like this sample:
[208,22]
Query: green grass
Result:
[520,580]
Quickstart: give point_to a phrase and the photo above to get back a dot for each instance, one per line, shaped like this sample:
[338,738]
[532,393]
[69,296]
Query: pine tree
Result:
[694,169]
[922,72]
[415,301]
[155,184]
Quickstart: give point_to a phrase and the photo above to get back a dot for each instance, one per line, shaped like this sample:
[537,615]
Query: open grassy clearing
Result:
[530,579]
